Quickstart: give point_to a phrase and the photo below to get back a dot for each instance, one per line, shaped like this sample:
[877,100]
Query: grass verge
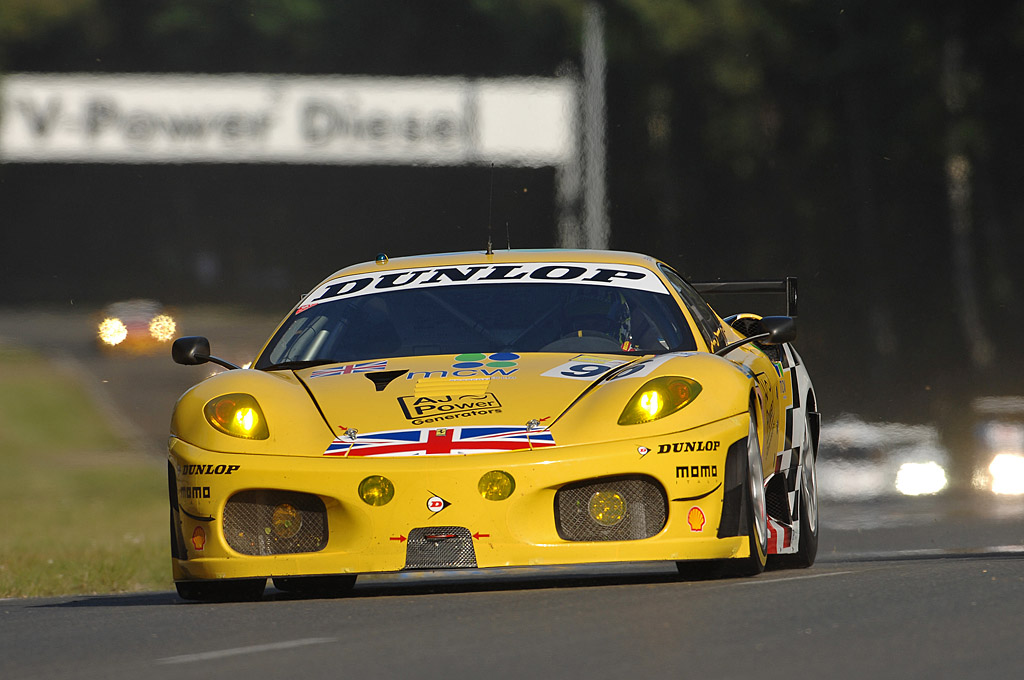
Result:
[81,514]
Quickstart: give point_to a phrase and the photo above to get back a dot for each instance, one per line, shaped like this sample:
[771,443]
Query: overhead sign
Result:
[140,118]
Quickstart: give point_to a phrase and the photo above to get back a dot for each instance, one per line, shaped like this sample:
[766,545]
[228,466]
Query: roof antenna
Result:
[490,210]
[508,239]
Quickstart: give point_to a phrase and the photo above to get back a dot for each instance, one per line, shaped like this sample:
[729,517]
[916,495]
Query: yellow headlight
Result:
[237,415]
[286,520]
[496,485]
[658,398]
[607,507]
[376,490]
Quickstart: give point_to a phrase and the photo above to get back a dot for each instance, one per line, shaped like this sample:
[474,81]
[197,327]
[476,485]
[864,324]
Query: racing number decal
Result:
[583,367]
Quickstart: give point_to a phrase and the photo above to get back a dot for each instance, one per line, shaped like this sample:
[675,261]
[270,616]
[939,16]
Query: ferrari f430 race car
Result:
[474,410]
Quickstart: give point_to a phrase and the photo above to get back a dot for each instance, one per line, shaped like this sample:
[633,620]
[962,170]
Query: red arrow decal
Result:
[398,538]
[478,535]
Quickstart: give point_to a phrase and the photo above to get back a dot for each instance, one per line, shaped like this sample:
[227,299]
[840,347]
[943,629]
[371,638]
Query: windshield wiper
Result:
[296,365]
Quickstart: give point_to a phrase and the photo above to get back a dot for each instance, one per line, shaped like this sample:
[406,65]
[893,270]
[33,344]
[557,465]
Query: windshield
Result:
[514,317]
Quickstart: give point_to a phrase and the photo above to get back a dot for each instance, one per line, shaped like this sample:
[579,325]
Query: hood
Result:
[501,391]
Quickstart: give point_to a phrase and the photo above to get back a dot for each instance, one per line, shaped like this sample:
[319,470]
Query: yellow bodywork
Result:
[305,415]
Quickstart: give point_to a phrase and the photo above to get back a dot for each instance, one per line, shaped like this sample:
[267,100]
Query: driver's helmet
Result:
[599,310]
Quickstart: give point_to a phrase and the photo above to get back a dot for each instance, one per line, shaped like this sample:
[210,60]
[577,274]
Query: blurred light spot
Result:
[112,331]
[1007,471]
[917,479]
[162,327]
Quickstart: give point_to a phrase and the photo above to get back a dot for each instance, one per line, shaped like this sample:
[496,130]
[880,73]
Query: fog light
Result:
[496,485]
[376,490]
[607,507]
[286,521]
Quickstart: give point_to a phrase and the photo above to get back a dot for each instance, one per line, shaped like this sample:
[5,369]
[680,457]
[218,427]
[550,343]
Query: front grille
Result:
[249,523]
[439,548]
[646,509]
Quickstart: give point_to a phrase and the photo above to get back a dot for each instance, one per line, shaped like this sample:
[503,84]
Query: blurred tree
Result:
[834,140]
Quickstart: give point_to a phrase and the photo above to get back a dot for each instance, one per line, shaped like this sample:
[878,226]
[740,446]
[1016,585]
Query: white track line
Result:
[238,651]
[764,581]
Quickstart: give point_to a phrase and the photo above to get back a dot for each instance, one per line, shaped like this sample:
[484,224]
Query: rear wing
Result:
[786,286]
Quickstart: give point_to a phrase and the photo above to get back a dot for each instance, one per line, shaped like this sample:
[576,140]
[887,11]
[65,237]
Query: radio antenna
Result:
[490,210]
[508,239]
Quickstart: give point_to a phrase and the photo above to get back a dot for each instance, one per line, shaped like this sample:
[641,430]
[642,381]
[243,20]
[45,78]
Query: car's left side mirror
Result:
[771,330]
[193,350]
[780,329]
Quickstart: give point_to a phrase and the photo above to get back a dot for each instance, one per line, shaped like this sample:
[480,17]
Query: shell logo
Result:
[199,539]
[696,519]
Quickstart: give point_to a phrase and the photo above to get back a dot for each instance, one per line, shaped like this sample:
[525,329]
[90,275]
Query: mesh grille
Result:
[776,499]
[646,510]
[439,548]
[249,523]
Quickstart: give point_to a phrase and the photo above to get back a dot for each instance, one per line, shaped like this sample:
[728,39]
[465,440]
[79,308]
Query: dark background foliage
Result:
[754,139]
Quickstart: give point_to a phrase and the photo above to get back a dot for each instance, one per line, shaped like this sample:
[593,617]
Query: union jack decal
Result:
[364,367]
[444,441]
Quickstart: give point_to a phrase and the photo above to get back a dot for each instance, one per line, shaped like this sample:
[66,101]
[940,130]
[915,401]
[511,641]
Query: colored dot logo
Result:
[496,360]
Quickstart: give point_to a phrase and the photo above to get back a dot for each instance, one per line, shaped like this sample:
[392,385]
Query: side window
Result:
[707,322]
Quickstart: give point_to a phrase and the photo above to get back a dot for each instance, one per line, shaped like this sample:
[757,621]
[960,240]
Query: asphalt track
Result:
[904,587]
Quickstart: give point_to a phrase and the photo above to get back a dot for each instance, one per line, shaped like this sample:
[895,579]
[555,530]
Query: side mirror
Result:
[770,330]
[191,350]
[780,329]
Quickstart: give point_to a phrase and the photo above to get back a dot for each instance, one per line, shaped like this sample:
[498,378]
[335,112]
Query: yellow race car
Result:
[514,408]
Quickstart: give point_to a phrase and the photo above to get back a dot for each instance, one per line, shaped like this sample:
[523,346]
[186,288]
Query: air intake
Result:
[270,522]
[611,509]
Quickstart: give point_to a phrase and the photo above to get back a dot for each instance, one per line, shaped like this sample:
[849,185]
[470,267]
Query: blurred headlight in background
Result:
[162,327]
[918,479]
[1006,472]
[112,331]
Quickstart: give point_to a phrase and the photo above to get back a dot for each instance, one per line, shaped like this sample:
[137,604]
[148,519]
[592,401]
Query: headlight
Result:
[658,398]
[237,415]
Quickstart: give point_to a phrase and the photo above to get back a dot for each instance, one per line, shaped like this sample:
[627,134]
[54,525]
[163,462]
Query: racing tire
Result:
[226,590]
[807,549]
[316,586]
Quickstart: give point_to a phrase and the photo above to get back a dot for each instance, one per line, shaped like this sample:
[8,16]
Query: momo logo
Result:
[426,409]
[696,471]
[496,360]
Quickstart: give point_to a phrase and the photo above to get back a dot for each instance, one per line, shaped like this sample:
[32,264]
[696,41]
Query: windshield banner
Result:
[588,273]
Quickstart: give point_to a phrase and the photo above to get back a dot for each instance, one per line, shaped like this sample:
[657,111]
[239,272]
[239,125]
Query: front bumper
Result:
[437,506]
